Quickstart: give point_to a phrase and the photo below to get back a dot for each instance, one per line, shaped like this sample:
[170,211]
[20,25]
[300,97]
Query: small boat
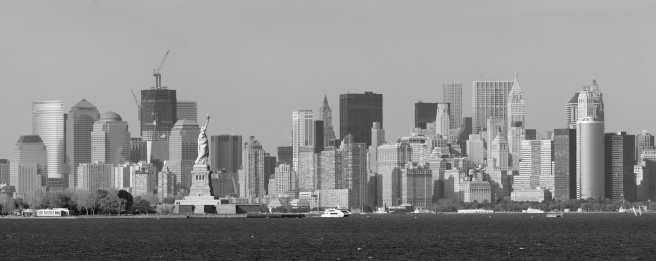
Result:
[333,212]
[554,214]
[533,210]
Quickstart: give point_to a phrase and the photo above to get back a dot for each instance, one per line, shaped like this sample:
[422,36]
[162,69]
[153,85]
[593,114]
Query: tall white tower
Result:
[302,133]
[48,123]
[442,120]
[590,158]
[326,115]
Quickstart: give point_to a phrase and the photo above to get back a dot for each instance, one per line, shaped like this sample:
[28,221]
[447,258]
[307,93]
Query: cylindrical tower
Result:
[590,158]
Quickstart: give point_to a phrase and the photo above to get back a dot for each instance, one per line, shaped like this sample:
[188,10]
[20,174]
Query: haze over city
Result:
[251,64]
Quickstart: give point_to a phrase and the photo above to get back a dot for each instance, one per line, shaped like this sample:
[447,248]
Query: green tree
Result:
[125,202]
[142,206]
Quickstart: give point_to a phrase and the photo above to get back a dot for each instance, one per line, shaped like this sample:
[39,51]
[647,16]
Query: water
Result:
[427,237]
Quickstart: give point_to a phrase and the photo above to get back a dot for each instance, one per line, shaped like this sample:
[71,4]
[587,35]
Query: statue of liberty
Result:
[203,150]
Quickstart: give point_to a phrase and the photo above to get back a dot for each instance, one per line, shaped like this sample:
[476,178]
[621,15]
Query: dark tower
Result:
[357,113]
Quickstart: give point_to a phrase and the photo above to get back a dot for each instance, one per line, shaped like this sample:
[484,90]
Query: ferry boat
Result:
[555,214]
[54,212]
[333,212]
[533,210]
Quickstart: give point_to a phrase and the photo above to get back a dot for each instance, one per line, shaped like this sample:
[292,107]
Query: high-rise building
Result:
[590,158]
[28,166]
[591,102]
[306,169]
[515,137]
[302,133]
[331,169]
[494,125]
[564,164]
[442,120]
[285,155]
[187,110]
[475,149]
[79,125]
[424,113]
[498,159]
[283,176]
[158,113]
[354,171]
[644,141]
[138,150]
[452,94]
[619,163]
[110,139]
[183,150]
[166,185]
[641,192]
[572,110]
[416,185]
[377,139]
[326,115]
[463,134]
[319,138]
[357,113]
[391,158]
[530,134]
[530,165]
[225,152]
[516,106]
[4,171]
[94,176]
[489,99]
[251,179]
[48,122]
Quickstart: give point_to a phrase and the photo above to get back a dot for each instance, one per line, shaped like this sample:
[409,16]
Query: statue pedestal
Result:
[200,193]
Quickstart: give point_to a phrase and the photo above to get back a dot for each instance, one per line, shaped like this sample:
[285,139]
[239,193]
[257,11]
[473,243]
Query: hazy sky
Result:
[251,63]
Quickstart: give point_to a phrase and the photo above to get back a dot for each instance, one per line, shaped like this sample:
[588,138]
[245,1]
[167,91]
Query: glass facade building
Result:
[357,113]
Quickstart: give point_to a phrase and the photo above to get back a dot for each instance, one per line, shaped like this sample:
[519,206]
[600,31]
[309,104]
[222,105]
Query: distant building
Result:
[187,110]
[474,188]
[4,171]
[285,155]
[225,152]
[443,120]
[475,149]
[48,122]
[425,112]
[225,184]
[498,159]
[644,141]
[357,113]
[110,139]
[283,180]
[27,168]
[302,133]
[251,179]
[590,158]
[516,116]
[166,185]
[331,169]
[452,94]
[531,195]
[94,176]
[158,113]
[489,99]
[416,187]
[79,125]
[138,150]
[326,115]
[391,158]
[306,169]
[641,176]
[183,150]
[619,162]
[333,198]
[564,164]
[354,171]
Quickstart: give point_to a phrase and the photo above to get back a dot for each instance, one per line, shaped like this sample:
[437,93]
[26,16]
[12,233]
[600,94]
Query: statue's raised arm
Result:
[203,149]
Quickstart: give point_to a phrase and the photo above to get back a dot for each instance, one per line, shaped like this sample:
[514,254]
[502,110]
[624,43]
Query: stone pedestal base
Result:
[200,182]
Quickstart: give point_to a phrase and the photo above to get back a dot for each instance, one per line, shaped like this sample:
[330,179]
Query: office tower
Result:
[166,185]
[79,125]
[357,113]
[424,113]
[475,149]
[530,134]
[489,99]
[619,159]
[591,102]
[225,152]
[391,158]
[285,155]
[331,169]
[648,181]
[251,179]
[442,120]
[547,178]
[283,176]
[28,166]
[187,110]
[463,134]
[157,152]
[416,187]
[354,171]
[644,141]
[494,125]
[498,159]
[326,115]
[302,132]
[144,180]
[95,176]
[270,163]
[590,158]
[138,150]
[183,150]
[4,171]
[564,164]
[515,137]
[530,165]
[377,139]
[319,138]
[641,179]
[572,111]
[110,139]
[158,113]
[516,106]
[48,124]
[306,171]
[452,94]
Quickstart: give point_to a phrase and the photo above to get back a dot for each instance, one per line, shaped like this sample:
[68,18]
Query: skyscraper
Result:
[442,120]
[391,158]
[319,136]
[644,141]
[4,171]
[94,176]
[28,166]
[285,155]
[564,164]
[452,94]
[48,123]
[590,158]
[424,113]
[251,178]
[489,99]
[79,125]
[591,102]
[225,152]
[187,110]
[572,110]
[158,113]
[357,113]
[619,161]
[302,132]
[183,150]
[110,139]
[354,171]
[516,106]
[326,115]
[498,159]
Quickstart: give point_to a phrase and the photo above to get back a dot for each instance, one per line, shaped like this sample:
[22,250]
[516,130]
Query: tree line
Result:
[507,205]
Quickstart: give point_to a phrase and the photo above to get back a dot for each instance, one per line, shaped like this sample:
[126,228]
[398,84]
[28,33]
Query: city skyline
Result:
[235,69]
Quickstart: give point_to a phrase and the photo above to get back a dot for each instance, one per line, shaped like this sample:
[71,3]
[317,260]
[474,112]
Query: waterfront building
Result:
[48,122]
[474,188]
[619,162]
[283,180]
[326,115]
[452,94]
[489,99]
[334,198]
[302,133]
[331,169]
[531,195]
[641,182]
[306,169]
[110,139]
[28,166]
[442,120]
[499,184]
[590,158]
[452,182]
[187,110]
[416,185]
[95,176]
[425,112]
[357,113]
[225,152]
[122,173]
[166,185]
[475,149]
[644,141]
[79,125]
[547,178]
[251,178]
[564,164]
[648,160]
[158,113]
[354,171]
[391,158]
[530,165]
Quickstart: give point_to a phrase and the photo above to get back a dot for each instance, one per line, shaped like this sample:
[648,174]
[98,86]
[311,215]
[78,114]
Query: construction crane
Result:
[157,74]
[137,101]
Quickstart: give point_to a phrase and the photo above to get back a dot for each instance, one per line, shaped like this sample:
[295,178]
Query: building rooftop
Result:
[30,139]
[84,104]
[186,122]
[110,116]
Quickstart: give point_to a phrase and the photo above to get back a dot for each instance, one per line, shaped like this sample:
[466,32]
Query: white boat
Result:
[333,212]
[533,210]
[555,214]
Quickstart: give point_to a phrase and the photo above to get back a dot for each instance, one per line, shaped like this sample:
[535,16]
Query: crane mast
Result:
[156,71]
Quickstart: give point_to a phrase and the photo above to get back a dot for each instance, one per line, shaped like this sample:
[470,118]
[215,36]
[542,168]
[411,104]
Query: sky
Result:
[250,64]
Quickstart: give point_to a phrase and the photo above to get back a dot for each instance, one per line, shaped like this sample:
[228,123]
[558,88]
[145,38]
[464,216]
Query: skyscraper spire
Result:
[326,115]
